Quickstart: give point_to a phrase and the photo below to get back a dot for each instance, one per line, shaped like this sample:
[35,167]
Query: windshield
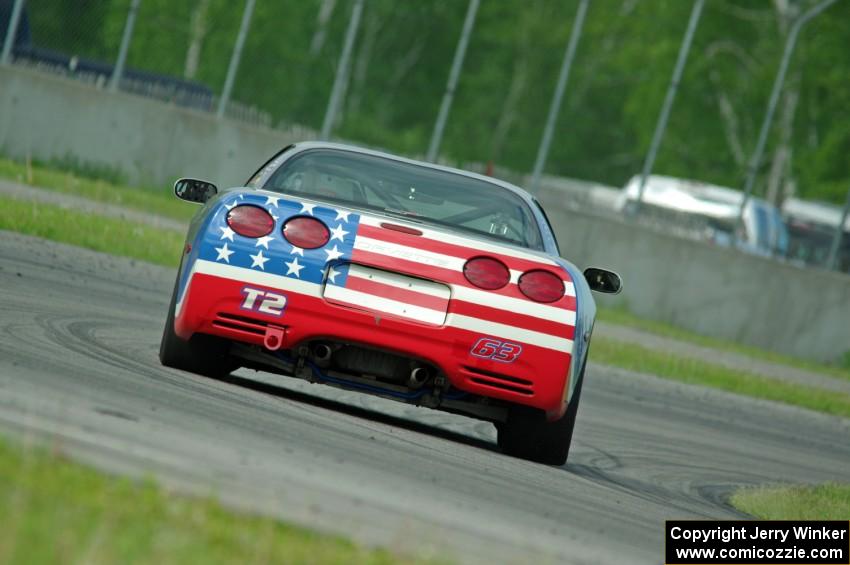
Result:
[416,193]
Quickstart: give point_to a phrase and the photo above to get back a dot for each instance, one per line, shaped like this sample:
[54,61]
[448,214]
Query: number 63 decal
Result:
[496,350]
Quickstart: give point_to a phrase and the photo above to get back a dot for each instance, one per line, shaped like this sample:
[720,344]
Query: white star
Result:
[258,260]
[226,233]
[264,241]
[223,253]
[297,251]
[340,215]
[272,200]
[332,274]
[230,206]
[276,218]
[338,233]
[293,268]
[334,253]
[241,197]
[307,208]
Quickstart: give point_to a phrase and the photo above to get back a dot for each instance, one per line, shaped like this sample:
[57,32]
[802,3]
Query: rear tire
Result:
[203,354]
[527,434]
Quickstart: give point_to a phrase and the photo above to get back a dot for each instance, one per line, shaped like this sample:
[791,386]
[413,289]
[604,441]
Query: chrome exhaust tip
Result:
[418,377]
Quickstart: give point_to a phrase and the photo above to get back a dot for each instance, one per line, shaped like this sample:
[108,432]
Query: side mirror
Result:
[602,280]
[194,190]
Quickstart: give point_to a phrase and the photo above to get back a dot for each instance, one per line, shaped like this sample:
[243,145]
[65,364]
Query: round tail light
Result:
[250,221]
[306,232]
[486,273]
[541,286]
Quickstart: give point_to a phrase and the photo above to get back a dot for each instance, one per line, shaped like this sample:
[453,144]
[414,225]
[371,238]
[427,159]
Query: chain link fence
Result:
[174,52]
[71,39]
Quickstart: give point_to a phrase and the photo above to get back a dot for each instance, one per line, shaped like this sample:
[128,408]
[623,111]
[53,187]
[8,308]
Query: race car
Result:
[393,277]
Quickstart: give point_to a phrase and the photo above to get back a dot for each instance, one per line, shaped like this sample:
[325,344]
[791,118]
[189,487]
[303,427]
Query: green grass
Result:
[57,511]
[622,317]
[110,235]
[822,502]
[159,201]
[694,371]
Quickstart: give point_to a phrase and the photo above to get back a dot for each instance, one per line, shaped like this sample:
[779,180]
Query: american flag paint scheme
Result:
[388,290]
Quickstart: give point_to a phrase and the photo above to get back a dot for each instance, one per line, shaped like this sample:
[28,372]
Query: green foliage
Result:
[619,79]
[109,235]
[845,360]
[688,370]
[622,317]
[84,28]
[94,171]
[57,511]
[829,501]
[70,176]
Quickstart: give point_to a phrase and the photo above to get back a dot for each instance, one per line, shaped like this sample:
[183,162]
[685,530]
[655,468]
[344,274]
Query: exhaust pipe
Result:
[320,353]
[418,377]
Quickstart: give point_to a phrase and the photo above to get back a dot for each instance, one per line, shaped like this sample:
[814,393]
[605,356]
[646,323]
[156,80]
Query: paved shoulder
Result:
[25,192]
[728,359]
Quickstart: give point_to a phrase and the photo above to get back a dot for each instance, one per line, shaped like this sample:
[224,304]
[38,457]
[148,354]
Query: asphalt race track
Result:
[79,333]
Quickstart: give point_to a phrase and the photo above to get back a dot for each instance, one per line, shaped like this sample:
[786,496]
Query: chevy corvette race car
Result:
[402,279]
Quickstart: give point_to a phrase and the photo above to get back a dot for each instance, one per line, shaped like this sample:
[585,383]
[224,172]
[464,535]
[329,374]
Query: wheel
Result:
[528,435]
[203,354]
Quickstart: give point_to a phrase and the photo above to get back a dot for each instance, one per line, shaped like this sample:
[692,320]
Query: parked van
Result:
[708,211]
[811,226]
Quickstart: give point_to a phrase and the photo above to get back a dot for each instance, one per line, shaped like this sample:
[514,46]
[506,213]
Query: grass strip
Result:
[622,317]
[694,371]
[57,511]
[159,200]
[110,235]
[829,501]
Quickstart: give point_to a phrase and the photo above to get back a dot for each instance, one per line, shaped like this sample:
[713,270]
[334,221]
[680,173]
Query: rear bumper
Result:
[536,377]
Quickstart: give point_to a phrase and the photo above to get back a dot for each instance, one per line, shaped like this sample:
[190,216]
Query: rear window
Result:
[413,192]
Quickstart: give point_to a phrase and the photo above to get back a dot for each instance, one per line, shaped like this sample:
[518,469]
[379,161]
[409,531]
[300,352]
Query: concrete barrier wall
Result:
[712,291]
[152,142]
